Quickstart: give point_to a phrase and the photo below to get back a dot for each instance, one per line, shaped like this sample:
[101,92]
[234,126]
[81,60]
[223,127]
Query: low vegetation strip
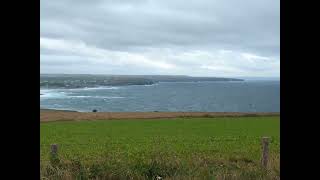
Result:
[179,148]
[56,115]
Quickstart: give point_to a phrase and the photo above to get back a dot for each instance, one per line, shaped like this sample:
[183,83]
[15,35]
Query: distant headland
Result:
[86,80]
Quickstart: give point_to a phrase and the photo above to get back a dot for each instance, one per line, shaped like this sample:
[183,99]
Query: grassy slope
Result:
[199,147]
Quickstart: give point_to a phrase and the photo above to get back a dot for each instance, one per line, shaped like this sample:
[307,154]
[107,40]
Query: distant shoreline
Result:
[48,115]
[81,81]
[55,110]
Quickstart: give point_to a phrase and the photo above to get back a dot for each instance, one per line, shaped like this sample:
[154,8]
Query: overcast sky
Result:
[228,38]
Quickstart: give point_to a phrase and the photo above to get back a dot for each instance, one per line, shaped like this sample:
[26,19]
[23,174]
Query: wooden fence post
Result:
[54,149]
[265,151]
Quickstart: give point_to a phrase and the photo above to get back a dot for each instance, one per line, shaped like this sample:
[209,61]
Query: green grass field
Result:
[181,148]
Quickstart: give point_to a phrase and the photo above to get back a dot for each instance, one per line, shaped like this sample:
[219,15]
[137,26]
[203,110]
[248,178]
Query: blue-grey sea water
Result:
[242,96]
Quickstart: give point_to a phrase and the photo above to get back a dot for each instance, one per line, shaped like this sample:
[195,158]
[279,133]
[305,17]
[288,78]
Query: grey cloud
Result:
[136,25]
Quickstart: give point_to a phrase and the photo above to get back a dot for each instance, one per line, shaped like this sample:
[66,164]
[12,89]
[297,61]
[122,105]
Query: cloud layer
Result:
[196,37]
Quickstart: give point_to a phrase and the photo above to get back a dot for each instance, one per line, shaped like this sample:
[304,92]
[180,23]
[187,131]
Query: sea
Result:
[224,96]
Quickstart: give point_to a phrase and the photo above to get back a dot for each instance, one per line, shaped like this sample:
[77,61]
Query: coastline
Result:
[49,115]
[55,110]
